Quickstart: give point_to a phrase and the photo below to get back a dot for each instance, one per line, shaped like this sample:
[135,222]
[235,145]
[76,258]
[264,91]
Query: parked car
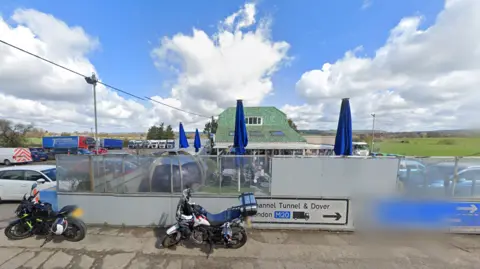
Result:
[15,181]
[110,173]
[411,172]
[68,151]
[37,155]
[170,152]
[440,179]
[83,152]
[100,151]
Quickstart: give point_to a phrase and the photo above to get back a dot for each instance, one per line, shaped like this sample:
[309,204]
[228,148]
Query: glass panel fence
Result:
[165,174]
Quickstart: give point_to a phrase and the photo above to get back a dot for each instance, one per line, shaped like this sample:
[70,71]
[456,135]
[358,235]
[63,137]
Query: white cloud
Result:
[213,71]
[418,80]
[47,96]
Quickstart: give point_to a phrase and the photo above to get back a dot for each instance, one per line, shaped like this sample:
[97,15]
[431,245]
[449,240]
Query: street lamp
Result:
[373,131]
[93,81]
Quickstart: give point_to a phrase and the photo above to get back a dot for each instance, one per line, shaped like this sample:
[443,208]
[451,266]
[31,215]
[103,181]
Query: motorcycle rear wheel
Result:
[76,231]
[11,231]
[171,240]
[237,242]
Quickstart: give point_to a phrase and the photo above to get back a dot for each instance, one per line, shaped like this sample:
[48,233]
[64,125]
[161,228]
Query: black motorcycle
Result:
[40,219]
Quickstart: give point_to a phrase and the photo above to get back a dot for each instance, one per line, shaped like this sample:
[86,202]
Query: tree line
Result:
[14,134]
[160,132]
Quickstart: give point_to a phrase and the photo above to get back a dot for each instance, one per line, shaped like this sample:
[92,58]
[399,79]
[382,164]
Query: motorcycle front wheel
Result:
[199,235]
[17,231]
[171,240]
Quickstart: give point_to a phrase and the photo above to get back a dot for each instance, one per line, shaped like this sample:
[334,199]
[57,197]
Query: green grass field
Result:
[34,141]
[445,146]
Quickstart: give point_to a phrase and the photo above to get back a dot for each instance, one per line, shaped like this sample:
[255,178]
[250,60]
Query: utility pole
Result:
[373,133]
[210,138]
[93,81]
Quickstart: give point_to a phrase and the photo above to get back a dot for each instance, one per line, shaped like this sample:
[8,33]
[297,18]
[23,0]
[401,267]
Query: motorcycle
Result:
[38,218]
[223,228]
[187,221]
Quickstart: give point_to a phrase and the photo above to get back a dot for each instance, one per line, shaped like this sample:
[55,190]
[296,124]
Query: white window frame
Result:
[258,118]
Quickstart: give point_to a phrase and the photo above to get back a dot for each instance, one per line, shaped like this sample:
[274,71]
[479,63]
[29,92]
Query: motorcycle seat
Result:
[217,219]
[222,217]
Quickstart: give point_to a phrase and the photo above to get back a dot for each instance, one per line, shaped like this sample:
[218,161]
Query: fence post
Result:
[123,174]
[180,171]
[270,162]
[146,169]
[474,182]
[91,172]
[219,165]
[455,176]
[171,177]
[104,174]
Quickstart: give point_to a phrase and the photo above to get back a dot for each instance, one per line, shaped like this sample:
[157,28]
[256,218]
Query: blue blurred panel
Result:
[427,214]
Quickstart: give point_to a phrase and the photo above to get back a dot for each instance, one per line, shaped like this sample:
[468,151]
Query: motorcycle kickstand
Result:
[48,238]
[210,251]
[211,244]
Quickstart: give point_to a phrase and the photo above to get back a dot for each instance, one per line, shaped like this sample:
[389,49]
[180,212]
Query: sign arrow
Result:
[471,208]
[337,216]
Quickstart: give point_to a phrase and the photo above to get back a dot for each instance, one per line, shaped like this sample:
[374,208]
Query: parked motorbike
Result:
[187,221]
[201,226]
[38,218]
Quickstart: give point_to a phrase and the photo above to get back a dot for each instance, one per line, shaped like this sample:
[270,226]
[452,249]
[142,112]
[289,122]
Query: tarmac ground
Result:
[141,248]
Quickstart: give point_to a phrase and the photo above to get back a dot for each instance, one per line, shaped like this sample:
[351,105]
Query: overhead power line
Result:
[99,82]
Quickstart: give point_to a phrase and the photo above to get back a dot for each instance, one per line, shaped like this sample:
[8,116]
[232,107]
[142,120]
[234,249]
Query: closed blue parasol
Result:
[183,142]
[240,139]
[196,143]
[343,139]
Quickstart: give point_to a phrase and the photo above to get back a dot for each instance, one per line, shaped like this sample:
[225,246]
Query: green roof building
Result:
[267,128]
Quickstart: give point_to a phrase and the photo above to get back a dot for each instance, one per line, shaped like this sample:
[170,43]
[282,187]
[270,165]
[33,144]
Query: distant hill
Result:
[382,133]
[332,132]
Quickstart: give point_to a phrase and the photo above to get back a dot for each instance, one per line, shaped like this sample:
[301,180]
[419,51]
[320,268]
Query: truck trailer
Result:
[79,142]
[110,143]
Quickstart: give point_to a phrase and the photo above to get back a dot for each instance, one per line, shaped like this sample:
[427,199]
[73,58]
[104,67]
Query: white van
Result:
[10,156]
[361,149]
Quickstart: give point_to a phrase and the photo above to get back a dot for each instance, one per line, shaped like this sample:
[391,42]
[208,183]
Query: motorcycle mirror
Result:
[34,185]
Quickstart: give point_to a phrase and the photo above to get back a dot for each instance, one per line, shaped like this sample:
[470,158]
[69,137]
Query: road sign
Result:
[301,211]
[428,214]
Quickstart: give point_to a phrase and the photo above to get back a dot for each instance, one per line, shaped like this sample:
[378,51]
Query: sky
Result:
[415,64]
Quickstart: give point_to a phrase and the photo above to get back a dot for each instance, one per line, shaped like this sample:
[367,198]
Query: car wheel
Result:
[7,162]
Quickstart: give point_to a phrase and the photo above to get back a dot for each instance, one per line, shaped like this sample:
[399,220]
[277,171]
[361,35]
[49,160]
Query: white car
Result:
[15,181]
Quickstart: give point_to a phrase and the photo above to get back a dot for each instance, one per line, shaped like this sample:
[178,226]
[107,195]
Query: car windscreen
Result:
[360,147]
[51,173]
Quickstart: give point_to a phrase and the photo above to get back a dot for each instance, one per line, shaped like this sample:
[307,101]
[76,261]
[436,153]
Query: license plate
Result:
[77,213]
